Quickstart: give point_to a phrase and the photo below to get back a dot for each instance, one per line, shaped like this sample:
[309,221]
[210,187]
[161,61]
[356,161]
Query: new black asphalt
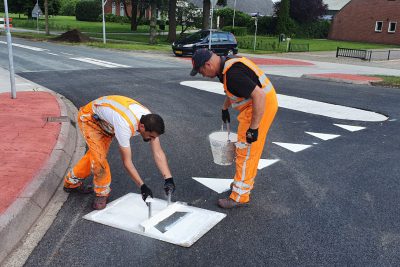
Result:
[335,203]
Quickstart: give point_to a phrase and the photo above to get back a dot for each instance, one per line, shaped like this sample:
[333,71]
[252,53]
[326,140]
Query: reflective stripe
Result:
[103,101]
[243,175]
[240,192]
[241,184]
[102,186]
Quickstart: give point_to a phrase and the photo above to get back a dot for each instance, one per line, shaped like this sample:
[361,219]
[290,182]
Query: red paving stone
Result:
[350,77]
[272,62]
[27,140]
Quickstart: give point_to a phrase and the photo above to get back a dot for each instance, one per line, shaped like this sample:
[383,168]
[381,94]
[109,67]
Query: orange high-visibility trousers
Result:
[95,160]
[247,157]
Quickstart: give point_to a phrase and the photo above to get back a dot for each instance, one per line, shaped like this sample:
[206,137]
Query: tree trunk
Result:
[206,14]
[172,20]
[134,21]
[153,21]
[46,14]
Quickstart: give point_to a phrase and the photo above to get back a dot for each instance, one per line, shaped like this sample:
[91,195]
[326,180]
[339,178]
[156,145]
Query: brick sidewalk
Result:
[27,140]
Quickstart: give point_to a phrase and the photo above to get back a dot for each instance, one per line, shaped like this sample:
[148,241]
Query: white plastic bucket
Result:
[223,150]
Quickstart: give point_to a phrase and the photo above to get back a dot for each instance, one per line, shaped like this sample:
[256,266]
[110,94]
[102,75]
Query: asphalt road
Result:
[335,203]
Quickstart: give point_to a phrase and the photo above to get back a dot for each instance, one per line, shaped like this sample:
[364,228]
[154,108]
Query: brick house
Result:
[116,7]
[373,21]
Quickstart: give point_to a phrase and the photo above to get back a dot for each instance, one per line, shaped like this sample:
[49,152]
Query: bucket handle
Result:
[228,128]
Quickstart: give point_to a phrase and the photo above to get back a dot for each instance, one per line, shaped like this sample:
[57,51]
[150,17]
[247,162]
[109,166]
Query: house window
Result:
[122,10]
[392,27]
[113,7]
[378,26]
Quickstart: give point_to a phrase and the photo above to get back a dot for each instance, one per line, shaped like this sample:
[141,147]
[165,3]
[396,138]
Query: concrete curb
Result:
[26,209]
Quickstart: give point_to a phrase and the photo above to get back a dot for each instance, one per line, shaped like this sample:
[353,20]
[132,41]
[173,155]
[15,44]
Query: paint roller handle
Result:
[226,117]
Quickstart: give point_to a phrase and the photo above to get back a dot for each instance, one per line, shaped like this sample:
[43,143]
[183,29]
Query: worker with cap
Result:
[122,117]
[249,91]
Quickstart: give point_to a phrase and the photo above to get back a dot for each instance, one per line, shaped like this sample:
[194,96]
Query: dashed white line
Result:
[52,54]
[293,147]
[26,46]
[323,136]
[350,127]
[100,62]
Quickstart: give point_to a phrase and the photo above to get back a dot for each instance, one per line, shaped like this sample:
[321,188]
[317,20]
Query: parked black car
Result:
[222,43]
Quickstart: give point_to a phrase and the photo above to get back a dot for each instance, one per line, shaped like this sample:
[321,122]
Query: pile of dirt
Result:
[72,36]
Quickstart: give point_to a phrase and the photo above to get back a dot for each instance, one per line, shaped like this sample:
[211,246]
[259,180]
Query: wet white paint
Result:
[216,184]
[293,147]
[223,136]
[263,163]
[350,127]
[301,104]
[129,212]
[323,136]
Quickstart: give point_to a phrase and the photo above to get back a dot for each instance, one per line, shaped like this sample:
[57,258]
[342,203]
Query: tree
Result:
[172,20]
[305,11]
[46,14]
[186,15]
[153,21]
[206,14]
[285,23]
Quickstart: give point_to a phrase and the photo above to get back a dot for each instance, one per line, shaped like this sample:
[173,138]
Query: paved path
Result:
[38,141]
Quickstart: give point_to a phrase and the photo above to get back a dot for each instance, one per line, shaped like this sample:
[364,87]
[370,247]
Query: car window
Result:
[195,37]
[223,37]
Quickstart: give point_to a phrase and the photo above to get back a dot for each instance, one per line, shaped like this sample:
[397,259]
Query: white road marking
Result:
[301,104]
[68,54]
[216,184]
[52,54]
[129,213]
[293,147]
[100,62]
[26,46]
[263,163]
[350,127]
[323,136]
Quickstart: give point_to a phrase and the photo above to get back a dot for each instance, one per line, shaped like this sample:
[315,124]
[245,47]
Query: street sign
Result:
[36,11]
[213,2]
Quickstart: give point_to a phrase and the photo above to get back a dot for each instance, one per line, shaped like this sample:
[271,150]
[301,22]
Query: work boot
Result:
[100,202]
[81,189]
[228,203]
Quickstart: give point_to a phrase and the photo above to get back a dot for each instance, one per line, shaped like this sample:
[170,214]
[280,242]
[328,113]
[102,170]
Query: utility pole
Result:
[10,54]
[103,3]
[213,3]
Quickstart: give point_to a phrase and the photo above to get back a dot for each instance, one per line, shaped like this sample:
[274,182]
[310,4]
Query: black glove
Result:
[169,186]
[251,135]
[225,116]
[145,191]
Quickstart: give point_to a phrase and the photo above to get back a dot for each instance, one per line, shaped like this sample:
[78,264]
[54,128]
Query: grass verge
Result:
[388,81]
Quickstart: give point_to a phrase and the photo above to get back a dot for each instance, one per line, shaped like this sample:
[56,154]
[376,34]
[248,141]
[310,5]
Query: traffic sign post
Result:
[36,13]
[213,3]
[10,54]
[104,21]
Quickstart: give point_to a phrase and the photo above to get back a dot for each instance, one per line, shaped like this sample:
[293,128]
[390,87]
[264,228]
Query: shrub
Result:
[238,31]
[114,18]
[266,26]
[318,29]
[226,17]
[68,7]
[88,10]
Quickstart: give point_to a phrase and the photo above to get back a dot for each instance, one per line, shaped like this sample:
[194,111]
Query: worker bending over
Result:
[122,117]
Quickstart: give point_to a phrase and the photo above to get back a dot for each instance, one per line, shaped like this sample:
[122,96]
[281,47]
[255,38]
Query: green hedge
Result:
[68,7]
[318,29]
[226,18]
[238,31]
[88,10]
[114,18]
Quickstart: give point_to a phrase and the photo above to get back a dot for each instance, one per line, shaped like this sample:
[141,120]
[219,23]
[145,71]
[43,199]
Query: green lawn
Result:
[391,81]
[122,32]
